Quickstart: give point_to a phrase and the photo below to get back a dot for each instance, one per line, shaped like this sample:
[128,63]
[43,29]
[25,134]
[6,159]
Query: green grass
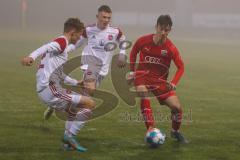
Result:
[209,89]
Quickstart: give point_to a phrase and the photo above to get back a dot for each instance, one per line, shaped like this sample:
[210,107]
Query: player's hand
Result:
[130,78]
[122,60]
[27,61]
[80,83]
[172,86]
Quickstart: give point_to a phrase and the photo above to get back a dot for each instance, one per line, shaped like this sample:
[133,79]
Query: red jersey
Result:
[156,59]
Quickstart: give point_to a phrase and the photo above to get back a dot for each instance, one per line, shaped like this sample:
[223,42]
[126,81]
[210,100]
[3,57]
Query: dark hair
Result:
[164,20]
[104,8]
[73,23]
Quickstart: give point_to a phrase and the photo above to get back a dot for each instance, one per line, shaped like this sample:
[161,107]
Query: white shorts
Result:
[90,75]
[92,67]
[59,98]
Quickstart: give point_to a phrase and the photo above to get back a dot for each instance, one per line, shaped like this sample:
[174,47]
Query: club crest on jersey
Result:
[163,52]
[89,73]
[110,37]
[147,49]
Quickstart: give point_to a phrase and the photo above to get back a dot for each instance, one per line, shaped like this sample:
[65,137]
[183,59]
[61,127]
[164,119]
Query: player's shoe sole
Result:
[179,137]
[73,143]
[48,113]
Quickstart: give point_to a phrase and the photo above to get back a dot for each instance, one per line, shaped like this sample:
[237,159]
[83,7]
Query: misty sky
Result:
[50,13]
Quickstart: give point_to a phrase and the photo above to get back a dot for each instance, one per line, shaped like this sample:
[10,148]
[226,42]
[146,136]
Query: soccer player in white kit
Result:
[50,74]
[96,58]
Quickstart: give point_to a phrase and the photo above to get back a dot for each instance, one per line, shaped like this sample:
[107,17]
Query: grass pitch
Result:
[209,92]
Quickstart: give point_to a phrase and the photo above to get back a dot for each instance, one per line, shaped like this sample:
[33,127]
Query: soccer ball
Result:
[154,137]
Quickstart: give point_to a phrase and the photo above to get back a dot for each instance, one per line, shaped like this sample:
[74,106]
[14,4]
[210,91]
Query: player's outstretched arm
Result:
[73,47]
[133,57]
[56,46]
[27,61]
[130,78]
[70,81]
[180,66]
[122,58]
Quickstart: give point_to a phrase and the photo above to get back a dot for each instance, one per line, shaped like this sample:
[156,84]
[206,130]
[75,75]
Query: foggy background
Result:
[203,18]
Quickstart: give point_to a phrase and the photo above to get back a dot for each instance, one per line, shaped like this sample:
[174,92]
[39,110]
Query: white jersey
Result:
[97,40]
[54,55]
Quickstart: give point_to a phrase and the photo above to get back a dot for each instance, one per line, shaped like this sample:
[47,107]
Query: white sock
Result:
[81,117]
[68,125]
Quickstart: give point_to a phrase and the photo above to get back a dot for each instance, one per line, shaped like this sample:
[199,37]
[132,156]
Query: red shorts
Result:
[159,87]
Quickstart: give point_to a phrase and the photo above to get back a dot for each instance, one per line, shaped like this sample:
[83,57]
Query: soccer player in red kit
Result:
[156,53]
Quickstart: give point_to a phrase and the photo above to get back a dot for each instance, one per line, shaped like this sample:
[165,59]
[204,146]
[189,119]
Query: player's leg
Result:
[89,87]
[86,104]
[91,80]
[91,67]
[72,103]
[46,96]
[88,90]
[78,115]
[176,115]
[176,111]
[146,109]
[70,118]
[171,100]
[48,113]
[78,108]
[82,111]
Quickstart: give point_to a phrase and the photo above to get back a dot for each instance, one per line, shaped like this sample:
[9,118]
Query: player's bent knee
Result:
[176,108]
[87,102]
[91,104]
[141,88]
[91,91]
[142,94]
[142,91]
[90,87]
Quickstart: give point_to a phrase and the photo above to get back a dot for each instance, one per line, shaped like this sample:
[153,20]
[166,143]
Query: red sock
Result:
[147,113]
[176,120]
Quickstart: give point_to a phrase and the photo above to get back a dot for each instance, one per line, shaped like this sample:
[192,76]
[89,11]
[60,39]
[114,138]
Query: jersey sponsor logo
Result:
[99,45]
[163,52]
[153,60]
